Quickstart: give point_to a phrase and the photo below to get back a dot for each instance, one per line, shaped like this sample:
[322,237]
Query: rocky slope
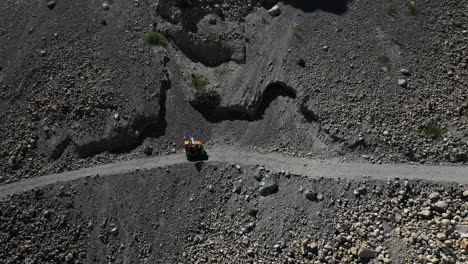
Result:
[224,213]
[94,81]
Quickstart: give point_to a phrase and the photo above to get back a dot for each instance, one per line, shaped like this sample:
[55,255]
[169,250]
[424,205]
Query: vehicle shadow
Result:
[199,165]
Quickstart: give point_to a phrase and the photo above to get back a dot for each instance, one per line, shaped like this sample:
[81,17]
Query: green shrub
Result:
[204,98]
[248,38]
[154,38]
[199,82]
[412,10]
[219,71]
[392,11]
[432,131]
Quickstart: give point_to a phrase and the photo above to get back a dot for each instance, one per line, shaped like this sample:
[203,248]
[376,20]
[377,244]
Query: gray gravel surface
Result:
[381,81]
[313,168]
[216,213]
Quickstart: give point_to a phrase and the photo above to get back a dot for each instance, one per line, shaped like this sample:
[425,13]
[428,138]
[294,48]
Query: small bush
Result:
[432,131]
[204,98]
[248,38]
[199,82]
[392,11]
[219,71]
[412,10]
[154,38]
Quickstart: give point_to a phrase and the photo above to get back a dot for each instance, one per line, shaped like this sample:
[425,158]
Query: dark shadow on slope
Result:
[338,7]
[124,139]
[309,114]
[158,129]
[271,93]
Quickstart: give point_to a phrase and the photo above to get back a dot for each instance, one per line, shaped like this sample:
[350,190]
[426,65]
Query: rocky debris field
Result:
[225,213]
[93,82]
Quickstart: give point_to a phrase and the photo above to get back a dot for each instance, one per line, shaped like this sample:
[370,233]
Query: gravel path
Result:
[273,161]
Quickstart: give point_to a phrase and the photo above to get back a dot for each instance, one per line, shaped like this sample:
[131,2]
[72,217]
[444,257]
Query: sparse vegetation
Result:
[205,98]
[412,10]
[298,28]
[248,38]
[220,42]
[432,131]
[199,82]
[392,11]
[219,71]
[153,38]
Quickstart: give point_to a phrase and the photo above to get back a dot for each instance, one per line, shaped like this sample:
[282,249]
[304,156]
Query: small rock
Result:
[51,4]
[268,187]
[434,196]
[320,197]
[69,257]
[312,247]
[441,206]
[403,82]
[465,194]
[253,212]
[365,253]
[245,240]
[117,116]
[312,196]
[258,176]
[148,150]
[405,72]
[425,213]
[237,187]
[445,222]
[274,11]
[464,244]
[301,62]
[441,236]
[462,230]
[105,6]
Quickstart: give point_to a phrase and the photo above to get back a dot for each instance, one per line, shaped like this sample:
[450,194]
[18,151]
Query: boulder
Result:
[365,253]
[274,11]
[268,187]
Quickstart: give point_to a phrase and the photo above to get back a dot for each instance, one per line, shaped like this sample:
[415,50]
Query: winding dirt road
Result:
[272,161]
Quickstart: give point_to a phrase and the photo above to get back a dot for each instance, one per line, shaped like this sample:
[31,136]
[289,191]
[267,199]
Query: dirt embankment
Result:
[223,213]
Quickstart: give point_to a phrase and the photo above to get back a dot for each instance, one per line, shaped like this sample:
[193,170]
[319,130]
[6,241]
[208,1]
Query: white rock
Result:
[425,213]
[441,206]
[405,72]
[434,196]
[402,82]
[274,11]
